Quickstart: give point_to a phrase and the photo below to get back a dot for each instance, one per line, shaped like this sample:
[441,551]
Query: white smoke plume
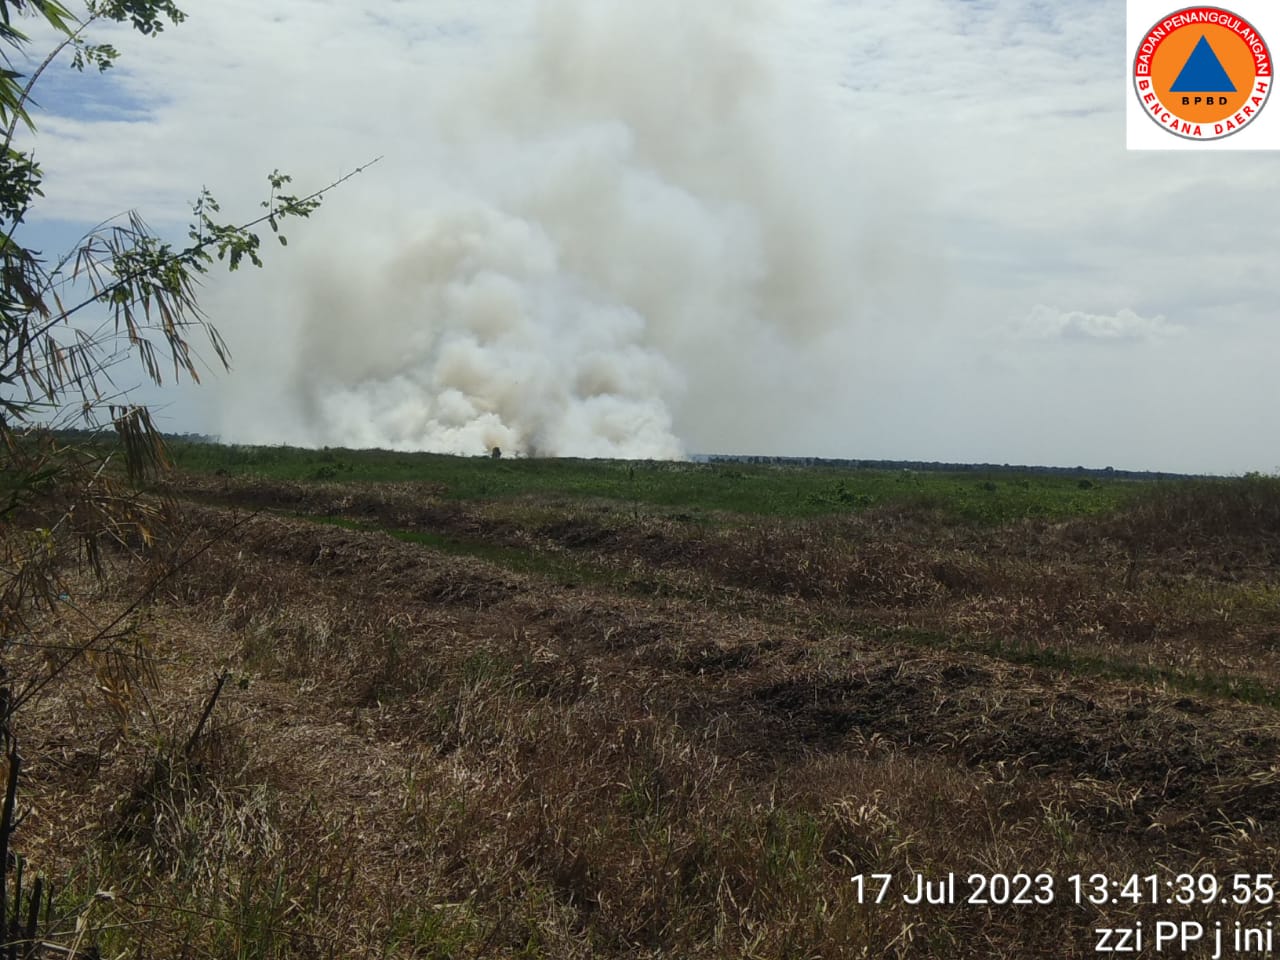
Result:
[636,230]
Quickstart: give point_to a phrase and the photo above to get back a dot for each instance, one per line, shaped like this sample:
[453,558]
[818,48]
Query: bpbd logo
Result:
[1202,73]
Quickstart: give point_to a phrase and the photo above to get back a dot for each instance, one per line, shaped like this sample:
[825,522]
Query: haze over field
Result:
[605,228]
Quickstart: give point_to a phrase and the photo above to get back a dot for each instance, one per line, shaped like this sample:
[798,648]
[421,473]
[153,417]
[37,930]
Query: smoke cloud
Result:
[633,230]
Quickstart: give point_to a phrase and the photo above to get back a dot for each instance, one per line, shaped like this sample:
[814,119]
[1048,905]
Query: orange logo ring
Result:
[1202,73]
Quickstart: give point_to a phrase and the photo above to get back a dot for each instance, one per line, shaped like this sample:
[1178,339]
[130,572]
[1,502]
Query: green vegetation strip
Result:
[559,569]
[1224,686]
[758,490]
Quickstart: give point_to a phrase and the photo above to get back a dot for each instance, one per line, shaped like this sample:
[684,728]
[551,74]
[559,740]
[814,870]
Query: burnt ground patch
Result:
[1172,766]
[578,533]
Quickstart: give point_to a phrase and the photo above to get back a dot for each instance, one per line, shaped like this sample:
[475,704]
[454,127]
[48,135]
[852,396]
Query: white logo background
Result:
[1143,134]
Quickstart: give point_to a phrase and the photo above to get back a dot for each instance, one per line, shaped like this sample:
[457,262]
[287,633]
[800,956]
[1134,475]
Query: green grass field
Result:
[779,491]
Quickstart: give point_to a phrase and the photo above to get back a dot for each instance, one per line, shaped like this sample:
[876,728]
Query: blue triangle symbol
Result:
[1203,73]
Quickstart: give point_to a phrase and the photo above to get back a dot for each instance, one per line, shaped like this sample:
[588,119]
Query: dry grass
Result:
[433,756]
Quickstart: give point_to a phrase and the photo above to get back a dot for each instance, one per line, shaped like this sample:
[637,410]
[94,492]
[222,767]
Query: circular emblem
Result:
[1202,73]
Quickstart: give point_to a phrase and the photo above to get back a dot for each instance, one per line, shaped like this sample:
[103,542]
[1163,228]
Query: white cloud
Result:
[1045,323]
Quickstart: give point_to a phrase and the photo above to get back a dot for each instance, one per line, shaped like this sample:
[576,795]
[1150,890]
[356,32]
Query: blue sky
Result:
[609,228]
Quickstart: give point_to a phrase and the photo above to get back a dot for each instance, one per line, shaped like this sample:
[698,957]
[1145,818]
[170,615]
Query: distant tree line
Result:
[1103,473]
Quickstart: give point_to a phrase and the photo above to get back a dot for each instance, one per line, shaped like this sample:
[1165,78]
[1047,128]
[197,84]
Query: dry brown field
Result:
[561,727]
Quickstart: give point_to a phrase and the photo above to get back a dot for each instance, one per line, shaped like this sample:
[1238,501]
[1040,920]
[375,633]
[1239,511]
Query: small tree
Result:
[135,298]
[55,368]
